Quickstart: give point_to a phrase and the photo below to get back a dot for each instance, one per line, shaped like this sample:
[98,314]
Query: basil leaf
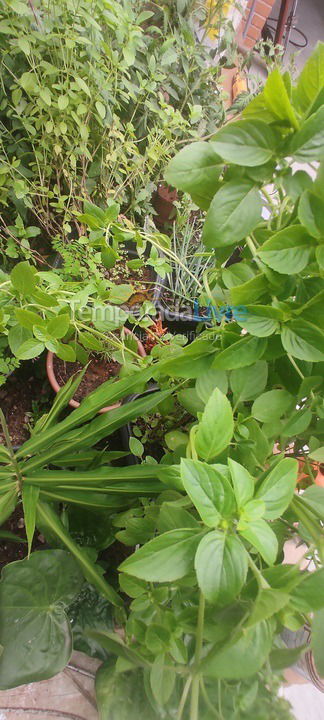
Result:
[243,657]
[311,214]
[278,488]
[311,79]
[234,212]
[221,565]
[248,382]
[268,603]
[287,251]
[196,169]
[243,483]
[303,340]
[260,535]
[308,143]
[240,354]
[245,143]
[271,405]
[205,488]
[216,427]
[166,558]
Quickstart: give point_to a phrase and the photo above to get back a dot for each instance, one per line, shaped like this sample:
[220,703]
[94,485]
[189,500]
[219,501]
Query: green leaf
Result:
[303,340]
[50,520]
[311,214]
[30,495]
[17,335]
[277,100]
[281,658]
[162,679]
[23,278]
[208,381]
[308,143]
[268,603]
[136,447]
[8,502]
[318,454]
[58,326]
[240,354]
[271,405]
[250,291]
[243,483]
[317,641]
[62,102]
[241,658]
[172,517]
[258,320]
[260,535]
[278,488]
[313,496]
[101,109]
[166,558]
[46,95]
[297,423]
[24,45]
[196,169]
[311,79]
[204,486]
[221,566]
[120,293]
[287,251]
[30,349]
[308,596]
[33,595]
[83,86]
[27,319]
[249,381]
[216,427]
[65,352]
[245,142]
[234,212]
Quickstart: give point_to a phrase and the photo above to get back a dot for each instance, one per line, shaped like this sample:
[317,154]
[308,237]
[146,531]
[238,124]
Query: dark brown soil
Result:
[98,371]
[23,398]
[142,279]
[11,551]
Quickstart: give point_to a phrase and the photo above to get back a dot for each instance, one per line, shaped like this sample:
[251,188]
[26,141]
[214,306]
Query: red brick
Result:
[253,33]
[258,21]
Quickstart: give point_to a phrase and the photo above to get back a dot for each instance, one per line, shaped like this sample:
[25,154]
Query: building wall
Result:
[261,12]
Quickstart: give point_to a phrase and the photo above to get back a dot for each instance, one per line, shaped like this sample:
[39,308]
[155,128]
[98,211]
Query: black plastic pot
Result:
[126,430]
[177,322]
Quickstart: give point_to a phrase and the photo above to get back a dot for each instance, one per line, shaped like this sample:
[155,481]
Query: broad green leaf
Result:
[221,566]
[46,95]
[34,594]
[190,400]
[263,539]
[287,251]
[245,142]
[216,427]
[308,143]
[162,679]
[295,184]
[83,86]
[250,291]
[311,214]
[234,212]
[30,494]
[271,405]
[317,641]
[27,319]
[243,483]
[58,326]
[23,278]
[319,252]
[172,517]
[30,349]
[237,274]
[157,638]
[297,423]
[166,558]
[240,354]
[268,603]
[311,79]
[308,596]
[278,488]
[249,381]
[208,381]
[121,695]
[196,169]
[136,447]
[62,102]
[50,519]
[313,497]
[277,100]
[243,657]
[204,486]
[303,340]
[281,658]
[17,335]
[258,320]
[318,454]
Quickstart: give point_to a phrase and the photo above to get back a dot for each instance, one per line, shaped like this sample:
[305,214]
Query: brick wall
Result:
[261,12]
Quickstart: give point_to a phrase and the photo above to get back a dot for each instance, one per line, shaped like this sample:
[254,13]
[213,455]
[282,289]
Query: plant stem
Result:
[194,706]
[184,697]
[263,584]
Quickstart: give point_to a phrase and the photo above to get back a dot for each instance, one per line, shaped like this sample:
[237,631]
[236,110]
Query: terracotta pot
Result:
[163,200]
[74,403]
